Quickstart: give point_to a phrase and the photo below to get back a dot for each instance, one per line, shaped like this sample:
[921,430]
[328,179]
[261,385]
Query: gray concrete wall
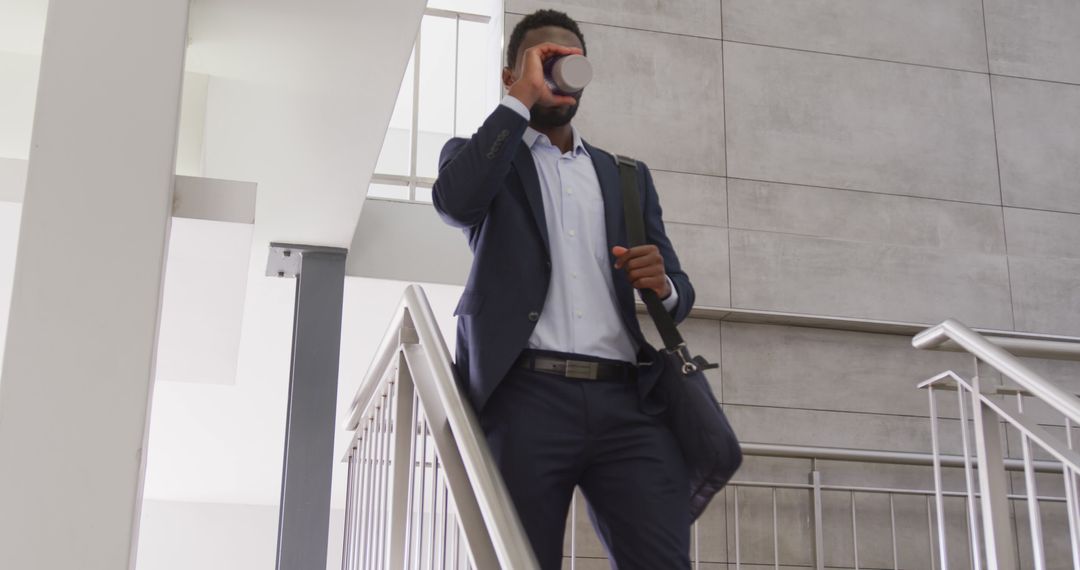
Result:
[906,160]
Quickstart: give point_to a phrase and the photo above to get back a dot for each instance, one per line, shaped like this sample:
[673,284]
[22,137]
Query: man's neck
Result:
[562,137]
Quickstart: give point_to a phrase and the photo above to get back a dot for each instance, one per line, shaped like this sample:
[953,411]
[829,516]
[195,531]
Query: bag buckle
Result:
[582,370]
[692,364]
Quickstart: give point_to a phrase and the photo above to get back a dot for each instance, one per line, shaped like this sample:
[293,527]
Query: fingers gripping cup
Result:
[567,74]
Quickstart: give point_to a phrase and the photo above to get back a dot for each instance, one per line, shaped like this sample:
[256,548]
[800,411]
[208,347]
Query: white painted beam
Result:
[195,197]
[407,241]
[215,200]
[80,350]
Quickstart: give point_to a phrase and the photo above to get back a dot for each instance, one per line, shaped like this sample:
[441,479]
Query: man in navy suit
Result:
[549,348]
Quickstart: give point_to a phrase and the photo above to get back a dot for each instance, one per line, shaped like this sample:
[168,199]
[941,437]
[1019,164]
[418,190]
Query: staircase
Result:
[424,493]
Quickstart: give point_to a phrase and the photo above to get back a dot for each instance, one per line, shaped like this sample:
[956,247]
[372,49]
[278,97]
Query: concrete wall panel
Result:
[867,280]
[842,122]
[864,216]
[943,33]
[692,199]
[688,17]
[1038,132]
[703,253]
[1034,38]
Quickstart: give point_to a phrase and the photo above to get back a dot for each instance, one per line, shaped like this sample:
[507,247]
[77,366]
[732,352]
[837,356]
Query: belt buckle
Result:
[582,370]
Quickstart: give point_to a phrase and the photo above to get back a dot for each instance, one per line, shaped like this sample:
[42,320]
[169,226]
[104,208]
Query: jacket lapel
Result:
[530,182]
[608,174]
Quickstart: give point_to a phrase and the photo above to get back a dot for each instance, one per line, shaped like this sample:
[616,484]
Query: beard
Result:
[553,116]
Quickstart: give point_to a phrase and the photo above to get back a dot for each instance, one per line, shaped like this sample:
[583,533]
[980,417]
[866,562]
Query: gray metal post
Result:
[304,521]
[997,527]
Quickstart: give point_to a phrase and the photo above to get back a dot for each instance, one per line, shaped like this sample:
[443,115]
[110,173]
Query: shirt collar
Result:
[533,136]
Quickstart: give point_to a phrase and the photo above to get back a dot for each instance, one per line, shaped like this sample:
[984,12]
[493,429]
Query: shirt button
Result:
[569,190]
[572,234]
[579,314]
[534,316]
[574,275]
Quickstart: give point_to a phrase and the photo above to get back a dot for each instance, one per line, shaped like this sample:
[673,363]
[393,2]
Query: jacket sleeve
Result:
[655,235]
[471,171]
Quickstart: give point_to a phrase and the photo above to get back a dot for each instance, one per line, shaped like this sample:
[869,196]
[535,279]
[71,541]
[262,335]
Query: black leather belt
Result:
[578,369]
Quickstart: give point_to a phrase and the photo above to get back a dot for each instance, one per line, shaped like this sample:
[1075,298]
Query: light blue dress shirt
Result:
[580,312]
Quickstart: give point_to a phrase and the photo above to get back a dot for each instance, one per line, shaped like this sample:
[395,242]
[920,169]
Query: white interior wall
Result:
[214,536]
[266,104]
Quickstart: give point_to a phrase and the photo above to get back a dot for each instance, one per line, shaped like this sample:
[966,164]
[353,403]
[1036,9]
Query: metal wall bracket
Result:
[284,258]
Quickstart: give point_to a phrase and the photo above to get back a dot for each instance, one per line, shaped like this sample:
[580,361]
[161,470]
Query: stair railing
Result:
[423,490]
[994,409]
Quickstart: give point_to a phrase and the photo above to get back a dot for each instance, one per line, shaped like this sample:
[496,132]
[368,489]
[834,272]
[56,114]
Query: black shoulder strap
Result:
[635,230]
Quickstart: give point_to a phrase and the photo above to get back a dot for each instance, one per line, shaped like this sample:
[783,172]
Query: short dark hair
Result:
[540,19]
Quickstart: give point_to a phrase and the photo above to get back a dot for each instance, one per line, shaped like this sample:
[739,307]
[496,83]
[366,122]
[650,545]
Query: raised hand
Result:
[529,87]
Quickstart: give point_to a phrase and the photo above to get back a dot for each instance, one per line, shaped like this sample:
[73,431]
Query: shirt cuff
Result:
[516,104]
[672,299]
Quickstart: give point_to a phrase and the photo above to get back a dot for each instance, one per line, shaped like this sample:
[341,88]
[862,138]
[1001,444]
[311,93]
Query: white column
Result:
[79,360]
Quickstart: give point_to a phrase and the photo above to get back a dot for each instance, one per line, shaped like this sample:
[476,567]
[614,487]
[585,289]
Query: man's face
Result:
[542,115]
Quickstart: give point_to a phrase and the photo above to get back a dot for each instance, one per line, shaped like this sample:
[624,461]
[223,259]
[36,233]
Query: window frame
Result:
[411,180]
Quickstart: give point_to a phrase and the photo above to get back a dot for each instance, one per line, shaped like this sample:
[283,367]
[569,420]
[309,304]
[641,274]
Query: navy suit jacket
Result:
[488,186]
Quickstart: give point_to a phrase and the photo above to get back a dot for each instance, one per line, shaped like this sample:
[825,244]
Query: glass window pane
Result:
[478,76]
[437,69]
[423,194]
[397,145]
[388,191]
[482,7]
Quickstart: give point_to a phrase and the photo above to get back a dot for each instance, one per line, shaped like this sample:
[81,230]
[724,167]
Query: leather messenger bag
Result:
[707,442]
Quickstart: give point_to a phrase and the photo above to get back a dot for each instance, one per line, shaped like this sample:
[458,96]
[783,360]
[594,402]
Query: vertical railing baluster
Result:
[436,487]
[388,473]
[573,531]
[402,438]
[697,547]
[854,532]
[775,533]
[350,498]
[421,490]
[423,494]
[974,542]
[445,514]
[388,468]
[1034,518]
[892,530]
[365,482]
[993,494]
[816,520]
[1071,504]
[939,499]
[930,531]
[372,490]
[377,484]
[455,533]
[410,519]
[738,558]
[380,473]
[365,495]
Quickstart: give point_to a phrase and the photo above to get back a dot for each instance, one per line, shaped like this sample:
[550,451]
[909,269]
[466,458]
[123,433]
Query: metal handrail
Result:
[874,456]
[414,324]
[1001,360]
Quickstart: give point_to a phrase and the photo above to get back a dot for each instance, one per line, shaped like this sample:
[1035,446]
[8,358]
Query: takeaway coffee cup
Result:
[567,74]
